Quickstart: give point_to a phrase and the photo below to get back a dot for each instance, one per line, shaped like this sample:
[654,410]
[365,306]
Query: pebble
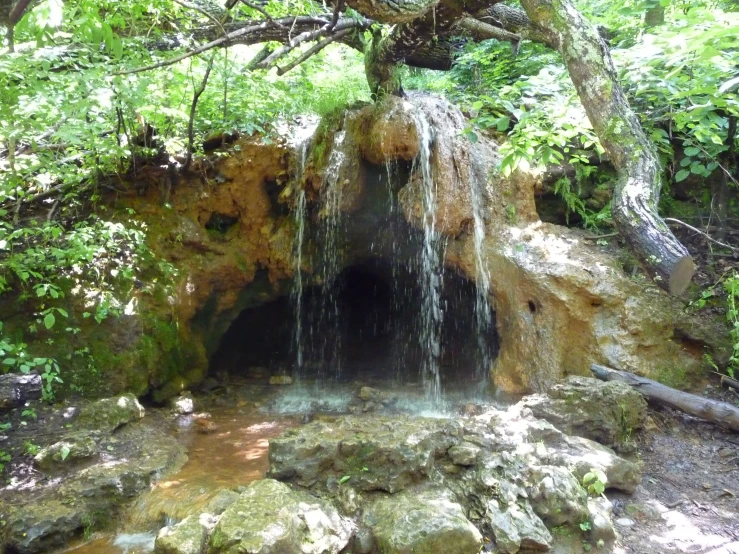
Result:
[624,522]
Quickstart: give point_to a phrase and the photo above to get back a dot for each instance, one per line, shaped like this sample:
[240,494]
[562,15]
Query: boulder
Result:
[558,497]
[371,452]
[426,522]
[606,412]
[15,389]
[516,527]
[109,414]
[189,536]
[41,526]
[73,447]
[271,518]
[184,404]
[599,516]
[221,501]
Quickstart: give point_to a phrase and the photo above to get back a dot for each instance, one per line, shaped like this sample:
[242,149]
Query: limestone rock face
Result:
[271,518]
[94,495]
[108,414]
[505,474]
[390,131]
[590,408]
[423,523]
[389,457]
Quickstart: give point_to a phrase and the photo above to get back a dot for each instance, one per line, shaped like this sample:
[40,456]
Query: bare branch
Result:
[312,51]
[193,109]
[249,29]
[479,30]
[337,12]
[723,245]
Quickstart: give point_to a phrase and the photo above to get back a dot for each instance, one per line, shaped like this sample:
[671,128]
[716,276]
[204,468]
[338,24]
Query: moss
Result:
[676,378]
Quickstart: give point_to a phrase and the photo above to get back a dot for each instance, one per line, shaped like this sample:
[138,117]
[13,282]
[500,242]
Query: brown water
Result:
[233,454]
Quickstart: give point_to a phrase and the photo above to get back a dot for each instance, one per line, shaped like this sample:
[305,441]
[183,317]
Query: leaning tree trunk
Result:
[627,146]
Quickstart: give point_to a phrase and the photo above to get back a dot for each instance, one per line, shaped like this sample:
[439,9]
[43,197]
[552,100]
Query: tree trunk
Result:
[628,148]
[721,413]
[15,389]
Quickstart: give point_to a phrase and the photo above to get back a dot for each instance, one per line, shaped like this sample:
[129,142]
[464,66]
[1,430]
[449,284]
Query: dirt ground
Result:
[688,500]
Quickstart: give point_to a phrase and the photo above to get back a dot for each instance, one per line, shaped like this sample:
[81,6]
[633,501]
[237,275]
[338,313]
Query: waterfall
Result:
[326,320]
[430,265]
[302,141]
[483,319]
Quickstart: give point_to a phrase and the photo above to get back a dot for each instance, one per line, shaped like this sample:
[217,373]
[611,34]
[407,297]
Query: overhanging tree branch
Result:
[627,146]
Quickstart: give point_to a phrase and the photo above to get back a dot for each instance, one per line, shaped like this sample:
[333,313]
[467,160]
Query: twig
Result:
[699,232]
[337,11]
[598,237]
[193,109]
[312,51]
[291,45]
[212,44]
[202,11]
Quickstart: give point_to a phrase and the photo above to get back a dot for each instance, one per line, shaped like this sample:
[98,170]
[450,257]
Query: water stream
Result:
[431,264]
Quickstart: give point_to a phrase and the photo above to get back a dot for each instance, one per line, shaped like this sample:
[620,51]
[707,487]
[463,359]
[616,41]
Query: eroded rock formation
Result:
[561,303]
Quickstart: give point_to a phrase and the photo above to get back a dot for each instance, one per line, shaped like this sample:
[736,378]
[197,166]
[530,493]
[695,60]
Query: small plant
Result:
[29,412]
[30,448]
[595,481]
[4,459]
[586,526]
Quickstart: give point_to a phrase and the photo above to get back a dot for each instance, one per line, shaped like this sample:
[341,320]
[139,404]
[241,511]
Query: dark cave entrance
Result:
[363,328]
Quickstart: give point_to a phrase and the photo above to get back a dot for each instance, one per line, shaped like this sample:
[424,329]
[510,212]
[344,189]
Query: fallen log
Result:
[719,413]
[16,388]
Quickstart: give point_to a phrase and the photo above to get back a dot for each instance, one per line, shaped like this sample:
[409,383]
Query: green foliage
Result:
[731,286]
[4,459]
[30,449]
[594,482]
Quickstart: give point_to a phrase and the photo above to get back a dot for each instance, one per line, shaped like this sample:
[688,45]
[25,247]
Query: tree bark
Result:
[720,413]
[628,148]
[16,389]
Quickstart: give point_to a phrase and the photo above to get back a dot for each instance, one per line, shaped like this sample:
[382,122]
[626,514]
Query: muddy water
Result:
[232,454]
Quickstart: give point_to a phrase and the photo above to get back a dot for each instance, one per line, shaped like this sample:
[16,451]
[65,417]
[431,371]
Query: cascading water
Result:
[325,335]
[300,216]
[483,317]
[430,265]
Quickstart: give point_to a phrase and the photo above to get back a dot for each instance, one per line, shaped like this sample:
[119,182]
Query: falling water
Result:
[483,318]
[431,309]
[297,292]
[300,215]
[325,335]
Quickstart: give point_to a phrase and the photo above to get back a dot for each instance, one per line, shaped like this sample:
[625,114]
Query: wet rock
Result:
[516,527]
[391,131]
[109,414]
[376,452]
[189,536]
[183,404]
[221,502]
[280,380]
[72,448]
[606,412]
[41,527]
[90,497]
[15,389]
[463,454]
[599,516]
[369,394]
[431,522]
[271,518]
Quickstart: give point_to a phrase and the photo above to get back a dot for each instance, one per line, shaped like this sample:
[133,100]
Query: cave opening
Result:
[364,328]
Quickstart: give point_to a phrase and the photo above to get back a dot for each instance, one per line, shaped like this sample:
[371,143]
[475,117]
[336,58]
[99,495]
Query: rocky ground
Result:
[500,480]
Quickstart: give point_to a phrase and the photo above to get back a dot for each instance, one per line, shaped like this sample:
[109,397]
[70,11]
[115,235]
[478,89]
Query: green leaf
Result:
[681,175]
[49,320]
[344,479]
[64,452]
[692,151]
